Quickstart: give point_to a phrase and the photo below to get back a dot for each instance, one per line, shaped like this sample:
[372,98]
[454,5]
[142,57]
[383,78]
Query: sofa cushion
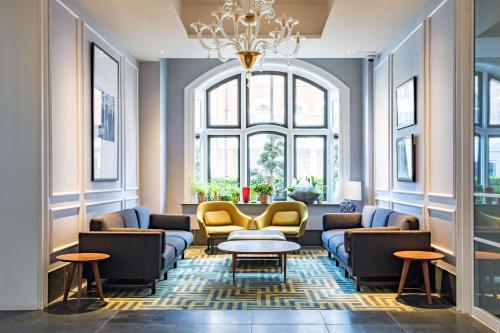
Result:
[130,218]
[335,242]
[177,243]
[217,218]
[143,215]
[287,230]
[168,256]
[327,235]
[110,221]
[290,218]
[403,221]
[186,236]
[367,216]
[380,217]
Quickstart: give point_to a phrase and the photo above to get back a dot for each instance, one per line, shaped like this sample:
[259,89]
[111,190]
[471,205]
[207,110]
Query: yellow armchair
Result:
[217,219]
[297,226]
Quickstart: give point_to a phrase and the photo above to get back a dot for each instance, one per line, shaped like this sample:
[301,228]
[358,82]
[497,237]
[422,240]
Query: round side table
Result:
[77,260]
[424,257]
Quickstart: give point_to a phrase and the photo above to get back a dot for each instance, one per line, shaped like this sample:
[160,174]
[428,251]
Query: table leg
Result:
[280,263]
[404,274]
[69,279]
[97,277]
[79,281]
[235,258]
[425,270]
[284,266]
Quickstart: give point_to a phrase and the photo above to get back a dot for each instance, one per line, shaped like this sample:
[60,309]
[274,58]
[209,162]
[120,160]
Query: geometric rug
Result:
[204,282]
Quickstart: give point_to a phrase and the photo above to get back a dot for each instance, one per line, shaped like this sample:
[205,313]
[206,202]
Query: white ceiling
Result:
[153,29]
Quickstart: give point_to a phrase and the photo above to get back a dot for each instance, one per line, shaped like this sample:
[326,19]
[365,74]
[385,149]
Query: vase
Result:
[246,194]
[264,198]
[201,197]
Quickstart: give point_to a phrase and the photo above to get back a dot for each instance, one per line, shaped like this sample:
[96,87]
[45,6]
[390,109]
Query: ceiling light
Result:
[245,17]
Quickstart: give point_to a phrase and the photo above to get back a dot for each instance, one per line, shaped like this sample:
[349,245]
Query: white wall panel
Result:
[381,127]
[409,208]
[441,113]
[130,107]
[131,202]
[442,227]
[382,203]
[99,208]
[64,126]
[64,227]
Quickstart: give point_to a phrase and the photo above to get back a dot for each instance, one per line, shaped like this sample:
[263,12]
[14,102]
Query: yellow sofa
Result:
[289,217]
[217,219]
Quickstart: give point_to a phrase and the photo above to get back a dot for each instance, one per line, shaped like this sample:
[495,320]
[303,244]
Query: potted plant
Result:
[306,190]
[200,190]
[264,191]
[214,192]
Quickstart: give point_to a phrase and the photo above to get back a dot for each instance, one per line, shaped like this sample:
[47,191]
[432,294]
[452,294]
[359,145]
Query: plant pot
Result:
[201,197]
[264,198]
[217,197]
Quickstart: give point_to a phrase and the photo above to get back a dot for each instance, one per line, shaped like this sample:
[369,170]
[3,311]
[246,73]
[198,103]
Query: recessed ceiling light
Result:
[162,52]
[348,51]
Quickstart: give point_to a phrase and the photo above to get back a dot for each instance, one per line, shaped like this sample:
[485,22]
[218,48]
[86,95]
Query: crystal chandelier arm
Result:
[298,39]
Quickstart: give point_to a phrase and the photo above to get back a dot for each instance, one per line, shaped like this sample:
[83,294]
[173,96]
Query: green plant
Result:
[271,158]
[263,188]
[199,188]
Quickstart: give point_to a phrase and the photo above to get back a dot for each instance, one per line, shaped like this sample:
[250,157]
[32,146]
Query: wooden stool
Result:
[77,260]
[424,257]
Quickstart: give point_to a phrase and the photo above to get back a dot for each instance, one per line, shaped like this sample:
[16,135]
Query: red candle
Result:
[246,194]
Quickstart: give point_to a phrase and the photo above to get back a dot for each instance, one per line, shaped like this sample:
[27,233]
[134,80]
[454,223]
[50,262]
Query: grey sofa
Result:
[142,246]
[364,243]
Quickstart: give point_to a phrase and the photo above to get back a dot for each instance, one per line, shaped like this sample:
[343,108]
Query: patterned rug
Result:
[205,282]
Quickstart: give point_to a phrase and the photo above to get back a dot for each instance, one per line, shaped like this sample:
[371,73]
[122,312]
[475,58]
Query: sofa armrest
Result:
[341,221]
[170,222]
[134,255]
[372,253]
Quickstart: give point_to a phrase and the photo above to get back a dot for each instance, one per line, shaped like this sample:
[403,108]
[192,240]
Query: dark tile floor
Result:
[61,318]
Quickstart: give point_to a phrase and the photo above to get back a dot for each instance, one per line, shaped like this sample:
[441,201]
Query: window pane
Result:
[477,99]
[197,158]
[494,111]
[224,158]
[266,159]
[309,105]
[310,158]
[493,165]
[223,104]
[266,99]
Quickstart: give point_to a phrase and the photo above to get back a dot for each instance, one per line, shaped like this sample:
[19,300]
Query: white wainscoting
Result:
[427,52]
[382,127]
[74,198]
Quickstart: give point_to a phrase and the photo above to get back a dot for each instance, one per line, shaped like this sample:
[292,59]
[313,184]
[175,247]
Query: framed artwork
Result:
[105,113]
[405,158]
[406,104]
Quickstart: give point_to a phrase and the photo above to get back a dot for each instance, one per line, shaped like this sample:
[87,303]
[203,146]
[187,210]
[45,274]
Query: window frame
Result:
[325,125]
[325,152]
[247,102]
[479,75]
[207,99]
[285,155]
[490,78]
[209,155]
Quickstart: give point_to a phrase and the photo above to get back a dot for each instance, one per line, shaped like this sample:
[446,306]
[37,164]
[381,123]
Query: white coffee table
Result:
[259,247]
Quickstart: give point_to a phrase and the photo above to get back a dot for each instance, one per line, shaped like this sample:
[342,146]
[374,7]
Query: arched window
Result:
[282,124]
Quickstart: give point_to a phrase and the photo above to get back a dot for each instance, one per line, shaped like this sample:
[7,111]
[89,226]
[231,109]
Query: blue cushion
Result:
[327,235]
[143,215]
[367,216]
[177,243]
[343,256]
[335,243]
[403,221]
[186,236]
[168,256]
[129,218]
[380,217]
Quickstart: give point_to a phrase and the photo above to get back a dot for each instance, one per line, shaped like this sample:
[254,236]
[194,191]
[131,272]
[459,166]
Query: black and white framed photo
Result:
[105,113]
[405,158]
[406,104]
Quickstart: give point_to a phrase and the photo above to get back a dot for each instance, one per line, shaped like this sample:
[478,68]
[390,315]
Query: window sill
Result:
[326,204]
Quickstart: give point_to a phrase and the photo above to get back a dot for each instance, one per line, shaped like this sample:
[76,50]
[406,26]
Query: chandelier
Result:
[245,16]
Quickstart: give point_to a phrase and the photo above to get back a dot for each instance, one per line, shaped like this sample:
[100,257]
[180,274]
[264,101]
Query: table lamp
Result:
[348,191]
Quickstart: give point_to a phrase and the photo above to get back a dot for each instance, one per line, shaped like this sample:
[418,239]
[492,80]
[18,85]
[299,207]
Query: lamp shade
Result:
[352,190]
[349,190]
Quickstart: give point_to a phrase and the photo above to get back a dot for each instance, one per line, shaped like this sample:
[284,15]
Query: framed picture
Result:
[405,157]
[105,112]
[406,103]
